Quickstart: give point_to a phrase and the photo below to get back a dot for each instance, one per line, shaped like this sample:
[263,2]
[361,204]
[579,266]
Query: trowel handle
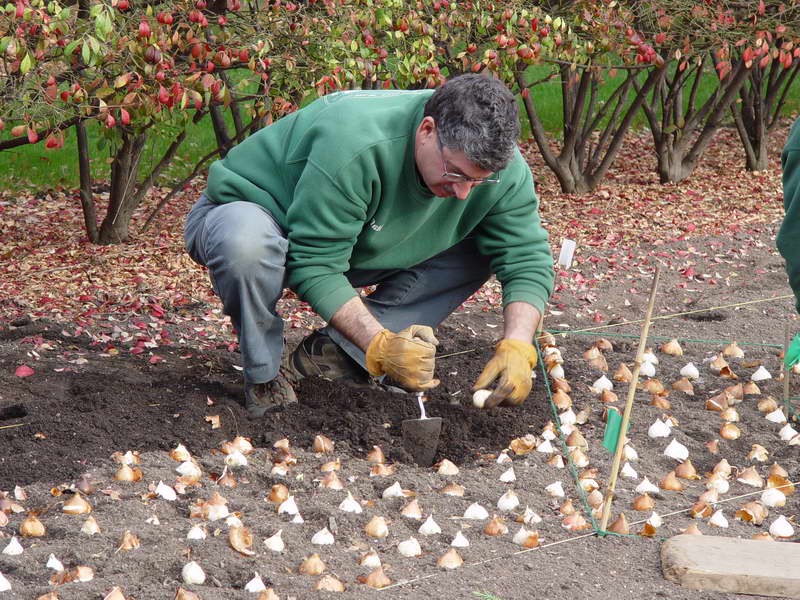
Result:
[420,396]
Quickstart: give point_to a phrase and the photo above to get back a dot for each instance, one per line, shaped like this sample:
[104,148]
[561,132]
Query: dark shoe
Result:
[319,356]
[261,397]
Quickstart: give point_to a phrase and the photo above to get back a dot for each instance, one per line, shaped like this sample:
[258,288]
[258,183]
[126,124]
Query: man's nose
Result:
[462,190]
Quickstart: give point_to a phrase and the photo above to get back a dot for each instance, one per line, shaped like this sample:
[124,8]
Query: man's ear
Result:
[427,126]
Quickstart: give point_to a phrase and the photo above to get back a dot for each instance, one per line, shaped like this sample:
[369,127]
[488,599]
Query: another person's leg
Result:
[424,295]
[245,251]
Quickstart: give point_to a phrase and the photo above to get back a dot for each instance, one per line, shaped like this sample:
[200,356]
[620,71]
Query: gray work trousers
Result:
[244,249]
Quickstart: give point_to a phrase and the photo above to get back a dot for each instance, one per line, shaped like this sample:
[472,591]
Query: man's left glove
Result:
[512,362]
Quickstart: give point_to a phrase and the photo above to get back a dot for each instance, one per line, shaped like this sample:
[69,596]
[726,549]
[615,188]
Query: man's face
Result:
[448,173]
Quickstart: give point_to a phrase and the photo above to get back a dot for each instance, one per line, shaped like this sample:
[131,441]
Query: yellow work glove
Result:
[407,357]
[512,362]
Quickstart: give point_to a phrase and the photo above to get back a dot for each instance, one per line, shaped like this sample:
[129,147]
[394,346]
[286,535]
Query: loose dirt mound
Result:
[70,413]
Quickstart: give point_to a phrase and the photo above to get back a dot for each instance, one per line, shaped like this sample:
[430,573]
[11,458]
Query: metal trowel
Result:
[421,436]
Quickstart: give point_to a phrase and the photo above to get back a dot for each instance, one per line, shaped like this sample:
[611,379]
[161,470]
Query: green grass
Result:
[33,167]
[486,596]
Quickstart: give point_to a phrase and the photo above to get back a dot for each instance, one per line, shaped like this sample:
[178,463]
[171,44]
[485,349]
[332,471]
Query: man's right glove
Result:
[408,357]
[512,363]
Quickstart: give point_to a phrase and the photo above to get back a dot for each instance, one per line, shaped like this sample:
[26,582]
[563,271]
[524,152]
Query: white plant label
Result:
[567,253]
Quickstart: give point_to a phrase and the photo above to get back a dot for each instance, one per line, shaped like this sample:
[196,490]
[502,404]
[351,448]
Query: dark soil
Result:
[119,402]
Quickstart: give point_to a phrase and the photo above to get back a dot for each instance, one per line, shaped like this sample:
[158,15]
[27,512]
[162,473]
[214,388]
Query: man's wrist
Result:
[520,321]
[356,323]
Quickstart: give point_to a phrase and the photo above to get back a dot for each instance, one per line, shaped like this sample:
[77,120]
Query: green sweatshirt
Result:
[339,176]
[788,240]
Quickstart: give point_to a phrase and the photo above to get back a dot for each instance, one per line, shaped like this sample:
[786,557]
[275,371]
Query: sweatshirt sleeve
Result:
[788,240]
[513,238]
[323,223]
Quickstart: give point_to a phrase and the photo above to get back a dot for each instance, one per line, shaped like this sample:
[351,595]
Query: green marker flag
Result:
[611,435]
[792,353]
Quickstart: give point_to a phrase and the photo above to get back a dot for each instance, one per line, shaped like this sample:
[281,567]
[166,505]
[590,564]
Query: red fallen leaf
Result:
[24,371]
[155,359]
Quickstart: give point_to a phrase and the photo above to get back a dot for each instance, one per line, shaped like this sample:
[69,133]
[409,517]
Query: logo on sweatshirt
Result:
[375,226]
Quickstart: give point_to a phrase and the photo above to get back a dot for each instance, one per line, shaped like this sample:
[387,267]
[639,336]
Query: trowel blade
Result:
[421,439]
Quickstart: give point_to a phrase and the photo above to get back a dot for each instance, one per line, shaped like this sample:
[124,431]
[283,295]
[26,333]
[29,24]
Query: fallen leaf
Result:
[24,371]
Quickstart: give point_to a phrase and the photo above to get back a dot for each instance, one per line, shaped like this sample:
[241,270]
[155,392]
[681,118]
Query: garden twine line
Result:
[579,537]
[488,560]
[564,332]
[677,512]
[680,314]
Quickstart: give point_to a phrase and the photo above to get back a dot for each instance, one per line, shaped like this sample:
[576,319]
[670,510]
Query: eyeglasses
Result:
[460,177]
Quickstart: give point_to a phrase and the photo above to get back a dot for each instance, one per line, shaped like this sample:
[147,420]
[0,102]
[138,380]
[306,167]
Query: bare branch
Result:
[611,125]
[537,129]
[254,125]
[712,123]
[653,79]
[42,133]
[774,115]
[572,126]
[695,87]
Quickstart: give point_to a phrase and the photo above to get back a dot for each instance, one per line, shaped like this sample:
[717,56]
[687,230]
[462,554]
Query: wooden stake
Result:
[786,372]
[626,415]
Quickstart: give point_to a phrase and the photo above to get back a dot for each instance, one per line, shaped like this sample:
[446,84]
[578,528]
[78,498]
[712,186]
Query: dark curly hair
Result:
[477,115]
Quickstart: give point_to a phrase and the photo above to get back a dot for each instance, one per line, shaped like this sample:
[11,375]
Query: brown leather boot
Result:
[261,397]
[319,356]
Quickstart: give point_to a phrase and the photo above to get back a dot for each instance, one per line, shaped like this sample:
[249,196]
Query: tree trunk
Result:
[87,198]
[121,201]
[761,100]
[671,166]
[760,161]
[755,144]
